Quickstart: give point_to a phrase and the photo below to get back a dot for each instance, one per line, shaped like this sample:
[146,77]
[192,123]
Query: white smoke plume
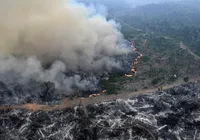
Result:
[66,34]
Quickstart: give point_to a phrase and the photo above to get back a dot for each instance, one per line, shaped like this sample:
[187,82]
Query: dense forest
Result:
[176,19]
[179,20]
[158,30]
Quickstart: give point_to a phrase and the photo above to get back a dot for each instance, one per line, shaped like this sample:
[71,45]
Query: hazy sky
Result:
[131,3]
[142,2]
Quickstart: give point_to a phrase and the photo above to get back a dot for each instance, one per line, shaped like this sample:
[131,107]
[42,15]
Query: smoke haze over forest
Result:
[69,36]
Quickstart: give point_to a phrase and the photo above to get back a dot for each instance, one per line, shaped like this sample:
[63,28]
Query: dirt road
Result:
[189,50]
[67,103]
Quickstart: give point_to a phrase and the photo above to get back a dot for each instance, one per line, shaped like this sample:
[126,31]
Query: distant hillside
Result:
[158,31]
[179,20]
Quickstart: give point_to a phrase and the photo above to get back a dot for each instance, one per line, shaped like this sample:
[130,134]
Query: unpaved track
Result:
[189,51]
[67,103]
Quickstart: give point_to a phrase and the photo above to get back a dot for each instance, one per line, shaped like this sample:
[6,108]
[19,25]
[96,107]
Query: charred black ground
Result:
[168,36]
[172,114]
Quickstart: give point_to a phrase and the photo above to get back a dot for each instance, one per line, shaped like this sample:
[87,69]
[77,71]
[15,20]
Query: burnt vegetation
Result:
[168,36]
[171,114]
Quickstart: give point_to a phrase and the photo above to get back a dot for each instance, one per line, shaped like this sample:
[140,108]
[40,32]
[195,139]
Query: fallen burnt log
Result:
[172,114]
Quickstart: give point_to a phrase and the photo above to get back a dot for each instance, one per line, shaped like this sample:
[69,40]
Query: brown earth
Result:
[68,103]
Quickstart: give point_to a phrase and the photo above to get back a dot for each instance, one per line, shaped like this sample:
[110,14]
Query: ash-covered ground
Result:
[167,115]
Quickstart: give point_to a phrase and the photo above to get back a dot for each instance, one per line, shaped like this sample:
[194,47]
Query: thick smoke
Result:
[67,35]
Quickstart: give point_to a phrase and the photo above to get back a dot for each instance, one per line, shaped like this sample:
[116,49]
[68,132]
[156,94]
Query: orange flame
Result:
[128,75]
[35,107]
[98,94]
[135,61]
[104,91]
